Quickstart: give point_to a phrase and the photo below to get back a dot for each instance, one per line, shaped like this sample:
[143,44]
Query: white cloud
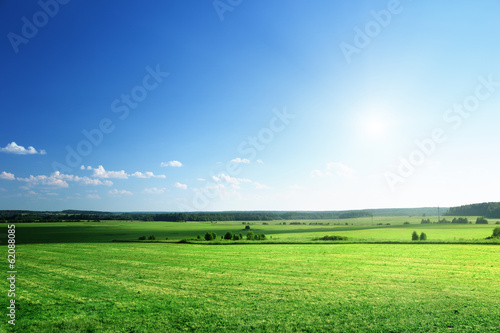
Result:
[260,186]
[147,174]
[201,179]
[6,175]
[100,172]
[259,161]
[118,192]
[13,148]
[240,160]
[61,180]
[337,168]
[316,173]
[181,186]
[93,196]
[175,164]
[341,170]
[154,190]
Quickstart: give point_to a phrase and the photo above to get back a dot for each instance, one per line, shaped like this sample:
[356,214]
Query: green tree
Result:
[481,220]
[423,236]
[247,227]
[236,237]
[250,235]
[414,236]
[496,232]
[228,235]
[208,236]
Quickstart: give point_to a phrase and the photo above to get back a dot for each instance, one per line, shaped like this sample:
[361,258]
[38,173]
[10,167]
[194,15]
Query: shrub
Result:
[247,227]
[481,220]
[496,232]
[423,236]
[262,237]
[198,237]
[460,220]
[333,238]
[406,222]
[152,237]
[425,221]
[236,237]
[228,235]
[208,236]
[142,238]
[250,235]
[414,236]
[166,238]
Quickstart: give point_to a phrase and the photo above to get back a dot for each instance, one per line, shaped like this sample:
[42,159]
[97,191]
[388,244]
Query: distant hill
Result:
[486,209]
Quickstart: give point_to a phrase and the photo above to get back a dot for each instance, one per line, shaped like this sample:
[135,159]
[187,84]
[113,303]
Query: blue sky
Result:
[248,105]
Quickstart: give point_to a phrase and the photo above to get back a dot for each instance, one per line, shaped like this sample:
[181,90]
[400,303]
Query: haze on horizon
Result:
[212,106]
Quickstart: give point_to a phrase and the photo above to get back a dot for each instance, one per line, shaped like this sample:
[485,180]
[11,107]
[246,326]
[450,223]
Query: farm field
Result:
[356,230]
[155,287]
[72,277]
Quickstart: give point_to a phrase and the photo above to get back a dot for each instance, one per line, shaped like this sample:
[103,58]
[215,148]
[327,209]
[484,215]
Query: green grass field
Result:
[72,278]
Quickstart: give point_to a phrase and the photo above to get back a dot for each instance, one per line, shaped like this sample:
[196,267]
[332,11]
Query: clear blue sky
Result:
[282,105]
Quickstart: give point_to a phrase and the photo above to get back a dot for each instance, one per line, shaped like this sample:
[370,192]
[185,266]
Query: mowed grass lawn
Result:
[161,287]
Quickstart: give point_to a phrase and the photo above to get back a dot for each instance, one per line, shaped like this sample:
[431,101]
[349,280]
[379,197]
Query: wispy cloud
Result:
[181,186]
[235,183]
[118,192]
[6,175]
[175,164]
[14,148]
[61,180]
[337,168]
[259,161]
[240,160]
[93,196]
[154,190]
[100,172]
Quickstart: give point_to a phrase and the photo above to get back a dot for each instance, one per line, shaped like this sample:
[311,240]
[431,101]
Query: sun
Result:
[375,127]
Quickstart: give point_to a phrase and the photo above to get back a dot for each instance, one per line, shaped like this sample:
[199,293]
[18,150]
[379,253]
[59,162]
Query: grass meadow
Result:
[73,278]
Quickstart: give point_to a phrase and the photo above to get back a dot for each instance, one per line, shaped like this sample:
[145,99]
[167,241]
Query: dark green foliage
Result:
[481,220]
[228,235]
[236,237]
[444,221]
[487,209]
[423,236]
[425,221]
[333,238]
[152,237]
[142,238]
[262,237]
[414,236]
[209,236]
[250,235]
[406,222]
[166,238]
[198,237]
[496,232]
[247,227]
[460,220]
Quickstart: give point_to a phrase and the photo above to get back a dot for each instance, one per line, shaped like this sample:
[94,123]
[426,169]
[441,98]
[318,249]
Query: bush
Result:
[152,237]
[496,232]
[414,236]
[406,223]
[142,238]
[228,235]
[262,237]
[481,220]
[198,237]
[166,238]
[498,222]
[333,238]
[250,235]
[425,221]
[247,227]
[423,236]
[460,220]
[210,236]
[236,237]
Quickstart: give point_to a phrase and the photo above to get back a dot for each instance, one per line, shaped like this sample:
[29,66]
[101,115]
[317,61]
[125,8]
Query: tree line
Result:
[486,209]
